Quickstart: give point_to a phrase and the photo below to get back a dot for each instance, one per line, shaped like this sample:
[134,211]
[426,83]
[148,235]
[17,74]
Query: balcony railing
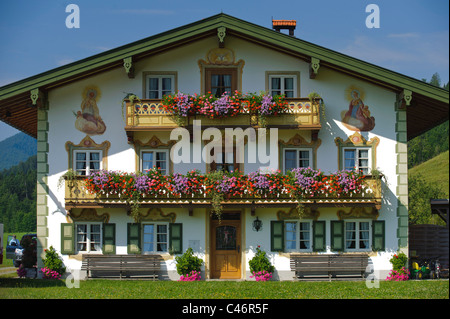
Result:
[151,115]
[77,196]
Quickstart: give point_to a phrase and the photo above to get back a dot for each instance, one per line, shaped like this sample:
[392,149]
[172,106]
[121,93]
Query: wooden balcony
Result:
[149,115]
[76,196]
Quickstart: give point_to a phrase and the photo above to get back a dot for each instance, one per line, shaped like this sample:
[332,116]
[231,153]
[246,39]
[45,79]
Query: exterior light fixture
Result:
[257,224]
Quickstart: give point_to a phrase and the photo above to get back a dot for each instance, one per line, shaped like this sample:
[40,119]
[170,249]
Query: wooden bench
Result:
[113,265]
[314,267]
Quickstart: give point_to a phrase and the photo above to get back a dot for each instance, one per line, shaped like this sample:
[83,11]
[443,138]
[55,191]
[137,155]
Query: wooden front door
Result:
[226,248]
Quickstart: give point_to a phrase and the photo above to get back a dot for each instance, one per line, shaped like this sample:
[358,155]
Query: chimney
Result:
[278,25]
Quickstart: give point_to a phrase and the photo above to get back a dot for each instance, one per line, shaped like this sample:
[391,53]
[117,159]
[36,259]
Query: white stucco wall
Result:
[331,85]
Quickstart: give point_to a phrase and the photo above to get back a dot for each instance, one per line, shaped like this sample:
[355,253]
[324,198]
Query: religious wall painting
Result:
[88,119]
[357,117]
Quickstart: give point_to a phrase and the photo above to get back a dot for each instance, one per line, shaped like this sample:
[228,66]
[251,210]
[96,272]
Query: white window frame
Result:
[154,151]
[282,88]
[358,235]
[297,156]
[89,237]
[155,238]
[357,157]
[159,77]
[88,153]
[297,236]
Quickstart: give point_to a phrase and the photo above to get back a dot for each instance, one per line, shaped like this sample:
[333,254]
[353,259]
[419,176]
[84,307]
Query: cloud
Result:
[415,54]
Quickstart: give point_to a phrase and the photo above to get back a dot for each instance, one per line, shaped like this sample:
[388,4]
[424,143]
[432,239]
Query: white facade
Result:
[65,100]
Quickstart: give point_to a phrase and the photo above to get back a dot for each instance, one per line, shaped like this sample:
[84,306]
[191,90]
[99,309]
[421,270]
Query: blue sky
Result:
[413,38]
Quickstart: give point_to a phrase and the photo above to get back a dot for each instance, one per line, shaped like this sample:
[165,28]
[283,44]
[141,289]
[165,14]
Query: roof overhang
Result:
[426,108]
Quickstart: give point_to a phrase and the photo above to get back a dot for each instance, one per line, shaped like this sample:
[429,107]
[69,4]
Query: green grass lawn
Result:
[13,288]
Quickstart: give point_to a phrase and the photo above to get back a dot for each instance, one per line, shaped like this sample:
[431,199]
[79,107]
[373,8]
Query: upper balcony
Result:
[150,115]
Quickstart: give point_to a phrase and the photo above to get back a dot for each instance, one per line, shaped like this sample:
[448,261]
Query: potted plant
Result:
[53,265]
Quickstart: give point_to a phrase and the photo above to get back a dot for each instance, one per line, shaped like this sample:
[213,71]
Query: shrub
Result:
[50,274]
[399,271]
[192,276]
[52,262]
[260,266]
[187,263]
[29,257]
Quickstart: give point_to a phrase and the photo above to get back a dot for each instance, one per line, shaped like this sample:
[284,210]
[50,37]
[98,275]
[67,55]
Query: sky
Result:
[412,37]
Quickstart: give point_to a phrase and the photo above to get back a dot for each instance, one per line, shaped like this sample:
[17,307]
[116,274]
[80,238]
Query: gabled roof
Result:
[428,108]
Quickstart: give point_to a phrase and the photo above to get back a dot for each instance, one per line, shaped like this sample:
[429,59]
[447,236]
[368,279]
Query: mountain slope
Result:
[15,149]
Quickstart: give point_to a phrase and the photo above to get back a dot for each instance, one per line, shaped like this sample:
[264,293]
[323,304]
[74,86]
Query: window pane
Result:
[166,84]
[153,84]
[289,94]
[80,156]
[288,83]
[153,95]
[364,153]
[290,160]
[290,245]
[225,238]
[276,84]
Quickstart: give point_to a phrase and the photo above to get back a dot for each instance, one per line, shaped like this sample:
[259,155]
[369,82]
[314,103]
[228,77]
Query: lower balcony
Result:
[79,194]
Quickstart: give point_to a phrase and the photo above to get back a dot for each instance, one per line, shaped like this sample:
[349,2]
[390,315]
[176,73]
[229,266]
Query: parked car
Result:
[14,248]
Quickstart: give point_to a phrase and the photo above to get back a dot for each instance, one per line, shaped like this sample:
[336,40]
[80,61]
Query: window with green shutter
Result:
[277,235]
[67,239]
[378,235]
[176,238]
[319,239]
[134,238]
[109,239]
[337,235]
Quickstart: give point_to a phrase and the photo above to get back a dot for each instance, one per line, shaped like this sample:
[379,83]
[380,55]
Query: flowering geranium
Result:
[398,275]
[50,274]
[192,276]
[182,105]
[262,275]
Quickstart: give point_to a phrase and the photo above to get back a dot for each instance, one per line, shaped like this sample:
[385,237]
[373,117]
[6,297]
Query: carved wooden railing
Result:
[150,114]
[76,195]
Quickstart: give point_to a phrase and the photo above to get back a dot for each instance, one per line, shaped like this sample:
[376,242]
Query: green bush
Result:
[187,262]
[260,262]
[29,257]
[52,261]
[398,261]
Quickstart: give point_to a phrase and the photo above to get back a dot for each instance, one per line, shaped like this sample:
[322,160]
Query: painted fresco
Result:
[88,119]
[357,117]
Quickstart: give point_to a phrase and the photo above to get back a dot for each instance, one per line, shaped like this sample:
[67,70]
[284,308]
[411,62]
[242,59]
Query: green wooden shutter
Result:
[319,238]
[109,239]
[337,235]
[176,238]
[276,235]
[134,238]
[67,239]
[378,235]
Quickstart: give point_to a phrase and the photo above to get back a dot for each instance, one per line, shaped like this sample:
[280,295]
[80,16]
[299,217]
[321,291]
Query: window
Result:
[283,84]
[159,85]
[299,157]
[357,236]
[297,236]
[220,81]
[86,162]
[357,158]
[88,237]
[155,158]
[225,161]
[155,238]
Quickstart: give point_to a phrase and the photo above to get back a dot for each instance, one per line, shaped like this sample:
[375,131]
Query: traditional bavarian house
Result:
[134,157]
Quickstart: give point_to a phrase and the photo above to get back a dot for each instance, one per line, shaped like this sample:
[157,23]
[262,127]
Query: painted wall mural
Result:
[88,119]
[357,117]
